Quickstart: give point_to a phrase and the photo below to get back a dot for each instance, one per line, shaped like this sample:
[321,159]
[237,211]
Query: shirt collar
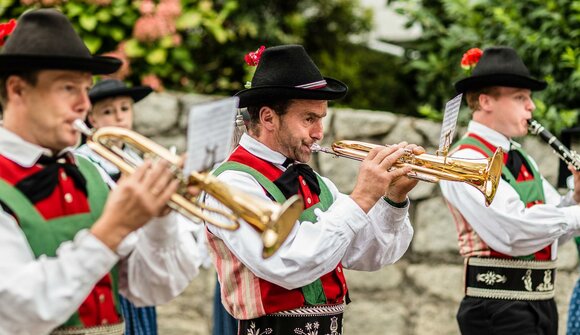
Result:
[23,153]
[493,137]
[260,150]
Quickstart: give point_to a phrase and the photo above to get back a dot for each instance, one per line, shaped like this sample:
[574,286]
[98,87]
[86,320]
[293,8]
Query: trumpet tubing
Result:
[484,176]
[273,221]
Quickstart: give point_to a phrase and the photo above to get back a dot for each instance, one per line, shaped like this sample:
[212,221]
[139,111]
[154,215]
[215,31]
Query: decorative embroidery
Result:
[334,326]
[311,329]
[528,280]
[491,278]
[254,331]
[547,284]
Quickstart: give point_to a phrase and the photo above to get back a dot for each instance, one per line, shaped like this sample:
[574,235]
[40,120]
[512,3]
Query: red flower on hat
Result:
[253,58]
[6,29]
[470,58]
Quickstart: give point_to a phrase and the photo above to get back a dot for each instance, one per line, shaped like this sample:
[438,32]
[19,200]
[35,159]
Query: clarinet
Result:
[567,155]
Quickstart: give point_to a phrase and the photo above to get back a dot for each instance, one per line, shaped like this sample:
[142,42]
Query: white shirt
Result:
[507,225]
[37,295]
[344,233]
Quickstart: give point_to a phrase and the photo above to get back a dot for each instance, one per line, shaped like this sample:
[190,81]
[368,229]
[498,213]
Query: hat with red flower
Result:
[287,72]
[45,39]
[498,66]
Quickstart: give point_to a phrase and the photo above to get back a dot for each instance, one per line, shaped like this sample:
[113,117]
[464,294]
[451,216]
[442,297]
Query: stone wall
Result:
[419,294]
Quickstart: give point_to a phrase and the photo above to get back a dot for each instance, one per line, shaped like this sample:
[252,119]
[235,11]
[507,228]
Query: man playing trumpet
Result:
[67,243]
[302,286]
[510,247]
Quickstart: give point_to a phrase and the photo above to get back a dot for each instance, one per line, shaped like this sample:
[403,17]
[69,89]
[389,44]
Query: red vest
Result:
[275,298]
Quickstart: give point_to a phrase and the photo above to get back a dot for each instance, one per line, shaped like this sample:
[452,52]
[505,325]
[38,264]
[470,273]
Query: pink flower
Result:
[147,7]
[146,29]
[470,58]
[153,81]
[169,9]
[253,58]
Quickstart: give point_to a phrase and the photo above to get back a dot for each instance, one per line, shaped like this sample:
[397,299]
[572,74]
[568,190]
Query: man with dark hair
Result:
[509,247]
[302,288]
[68,245]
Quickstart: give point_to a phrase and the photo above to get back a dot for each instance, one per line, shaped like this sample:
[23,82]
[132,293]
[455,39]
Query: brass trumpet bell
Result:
[273,221]
[481,174]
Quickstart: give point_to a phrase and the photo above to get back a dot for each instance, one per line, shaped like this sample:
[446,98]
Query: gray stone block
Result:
[434,227]
[440,281]
[158,113]
[350,124]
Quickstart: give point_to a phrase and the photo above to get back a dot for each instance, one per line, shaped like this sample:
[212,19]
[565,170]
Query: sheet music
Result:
[209,133]
[449,123]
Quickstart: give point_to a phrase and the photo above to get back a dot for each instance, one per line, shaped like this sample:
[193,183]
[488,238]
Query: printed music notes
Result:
[209,133]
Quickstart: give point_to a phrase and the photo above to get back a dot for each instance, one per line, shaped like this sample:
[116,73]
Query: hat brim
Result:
[136,93]
[333,90]
[96,65]
[507,80]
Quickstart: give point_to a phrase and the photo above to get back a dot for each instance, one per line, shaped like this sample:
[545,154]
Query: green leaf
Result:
[188,20]
[93,43]
[157,56]
[133,49]
[88,22]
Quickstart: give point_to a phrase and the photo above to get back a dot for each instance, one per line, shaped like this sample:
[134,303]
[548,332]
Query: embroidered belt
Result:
[510,279]
[319,310]
[114,329]
[320,319]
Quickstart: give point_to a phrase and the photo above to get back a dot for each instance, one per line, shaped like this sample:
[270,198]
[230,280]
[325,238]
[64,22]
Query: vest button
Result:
[63,175]
[309,201]
[101,298]
[338,269]
[68,198]
[104,322]
[304,182]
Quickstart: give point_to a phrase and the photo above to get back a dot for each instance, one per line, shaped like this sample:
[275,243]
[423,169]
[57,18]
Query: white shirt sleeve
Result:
[162,259]
[344,233]
[507,225]
[40,294]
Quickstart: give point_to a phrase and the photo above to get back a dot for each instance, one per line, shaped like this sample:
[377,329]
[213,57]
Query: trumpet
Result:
[273,221]
[484,176]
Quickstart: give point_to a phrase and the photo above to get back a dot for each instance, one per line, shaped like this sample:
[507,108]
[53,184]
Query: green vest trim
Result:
[45,236]
[529,190]
[313,293]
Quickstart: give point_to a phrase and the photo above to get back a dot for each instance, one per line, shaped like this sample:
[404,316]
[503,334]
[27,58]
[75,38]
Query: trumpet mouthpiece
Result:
[82,127]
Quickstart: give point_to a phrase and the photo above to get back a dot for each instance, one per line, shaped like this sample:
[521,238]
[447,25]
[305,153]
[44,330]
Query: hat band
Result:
[314,85]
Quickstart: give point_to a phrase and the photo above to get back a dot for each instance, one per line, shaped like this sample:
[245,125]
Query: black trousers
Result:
[479,316]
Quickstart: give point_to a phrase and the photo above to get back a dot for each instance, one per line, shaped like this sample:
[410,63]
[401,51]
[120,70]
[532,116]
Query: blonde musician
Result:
[67,244]
[302,288]
[509,247]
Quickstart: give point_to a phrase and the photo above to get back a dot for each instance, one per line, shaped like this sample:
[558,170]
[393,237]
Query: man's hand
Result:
[401,186]
[576,175]
[136,200]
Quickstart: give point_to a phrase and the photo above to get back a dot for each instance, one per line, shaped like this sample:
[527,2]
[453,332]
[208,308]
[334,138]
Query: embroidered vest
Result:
[246,296]
[46,235]
[528,185]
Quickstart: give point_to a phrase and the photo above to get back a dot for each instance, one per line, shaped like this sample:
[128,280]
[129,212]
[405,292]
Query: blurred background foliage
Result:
[199,45]
[546,34]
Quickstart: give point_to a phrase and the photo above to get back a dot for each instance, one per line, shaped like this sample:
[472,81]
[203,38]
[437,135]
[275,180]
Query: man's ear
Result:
[15,88]
[268,118]
[485,102]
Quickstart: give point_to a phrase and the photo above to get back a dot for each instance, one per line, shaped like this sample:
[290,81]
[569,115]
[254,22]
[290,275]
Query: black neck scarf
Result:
[288,182]
[41,184]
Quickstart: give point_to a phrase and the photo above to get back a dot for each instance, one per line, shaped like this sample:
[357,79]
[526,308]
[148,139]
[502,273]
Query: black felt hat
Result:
[287,72]
[109,88]
[45,39]
[499,66]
